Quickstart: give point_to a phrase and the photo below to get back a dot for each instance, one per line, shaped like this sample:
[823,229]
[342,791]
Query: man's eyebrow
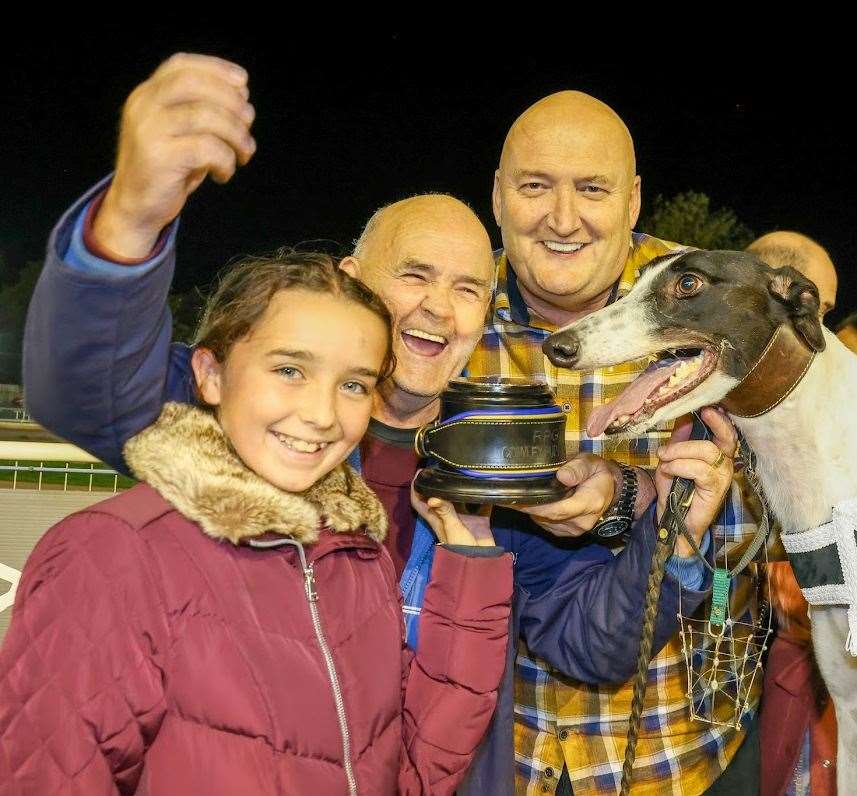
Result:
[413,264]
[519,174]
[598,179]
[473,280]
[282,352]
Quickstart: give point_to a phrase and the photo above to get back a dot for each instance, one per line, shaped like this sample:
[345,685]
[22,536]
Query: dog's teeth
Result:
[686,370]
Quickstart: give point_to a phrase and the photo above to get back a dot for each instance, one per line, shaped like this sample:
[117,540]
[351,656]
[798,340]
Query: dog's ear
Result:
[800,295]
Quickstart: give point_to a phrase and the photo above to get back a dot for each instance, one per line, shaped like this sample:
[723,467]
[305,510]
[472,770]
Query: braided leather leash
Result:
[678,504]
[671,524]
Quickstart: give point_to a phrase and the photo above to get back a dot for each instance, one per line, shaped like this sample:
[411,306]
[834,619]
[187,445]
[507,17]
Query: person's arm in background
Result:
[98,363]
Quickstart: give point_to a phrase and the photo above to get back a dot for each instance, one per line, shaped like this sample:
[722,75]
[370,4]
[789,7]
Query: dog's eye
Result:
[688,285]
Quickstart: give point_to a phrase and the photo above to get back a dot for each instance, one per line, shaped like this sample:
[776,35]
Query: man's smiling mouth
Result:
[558,247]
[424,343]
[301,445]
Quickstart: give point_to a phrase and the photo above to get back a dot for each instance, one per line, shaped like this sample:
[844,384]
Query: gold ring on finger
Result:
[721,456]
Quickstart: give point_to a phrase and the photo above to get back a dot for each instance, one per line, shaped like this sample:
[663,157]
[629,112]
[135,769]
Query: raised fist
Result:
[191,118]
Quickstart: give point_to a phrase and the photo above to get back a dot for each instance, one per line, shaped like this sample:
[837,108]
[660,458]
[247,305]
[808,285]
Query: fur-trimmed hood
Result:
[188,460]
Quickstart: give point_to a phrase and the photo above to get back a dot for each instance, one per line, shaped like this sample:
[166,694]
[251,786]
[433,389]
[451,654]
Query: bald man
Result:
[566,198]
[429,258]
[783,248]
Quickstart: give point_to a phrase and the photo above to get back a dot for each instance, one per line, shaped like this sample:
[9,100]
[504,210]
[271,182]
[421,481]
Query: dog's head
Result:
[705,315]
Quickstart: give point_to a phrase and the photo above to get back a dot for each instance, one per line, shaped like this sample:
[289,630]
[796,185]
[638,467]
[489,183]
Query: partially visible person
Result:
[232,624]
[797,718]
[846,331]
[783,248]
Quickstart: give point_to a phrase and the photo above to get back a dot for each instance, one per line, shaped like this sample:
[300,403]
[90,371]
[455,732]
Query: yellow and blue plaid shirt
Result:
[563,722]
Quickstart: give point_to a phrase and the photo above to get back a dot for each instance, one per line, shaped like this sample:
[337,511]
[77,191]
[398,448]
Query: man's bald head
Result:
[572,115]
[440,213]
[429,258]
[566,197]
[784,248]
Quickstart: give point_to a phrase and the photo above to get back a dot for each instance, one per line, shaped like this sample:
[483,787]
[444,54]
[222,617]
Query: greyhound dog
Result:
[726,328]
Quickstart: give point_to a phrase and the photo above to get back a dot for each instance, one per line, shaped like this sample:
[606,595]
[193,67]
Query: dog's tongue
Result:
[632,397]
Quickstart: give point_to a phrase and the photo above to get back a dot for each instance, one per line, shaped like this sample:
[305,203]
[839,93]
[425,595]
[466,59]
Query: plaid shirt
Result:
[562,722]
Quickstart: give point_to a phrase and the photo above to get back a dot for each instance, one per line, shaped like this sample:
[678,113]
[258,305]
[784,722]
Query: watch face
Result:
[611,527]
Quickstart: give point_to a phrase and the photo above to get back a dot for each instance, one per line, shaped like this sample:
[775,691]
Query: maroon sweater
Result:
[389,465]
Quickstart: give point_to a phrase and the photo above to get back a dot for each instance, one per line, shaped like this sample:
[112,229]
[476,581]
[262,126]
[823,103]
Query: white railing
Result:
[30,457]
[12,413]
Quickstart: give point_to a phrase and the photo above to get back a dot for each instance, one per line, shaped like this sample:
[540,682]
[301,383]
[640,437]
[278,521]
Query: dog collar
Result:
[779,369]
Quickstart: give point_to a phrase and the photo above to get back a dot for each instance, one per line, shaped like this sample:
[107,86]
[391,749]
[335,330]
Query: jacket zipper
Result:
[312,599]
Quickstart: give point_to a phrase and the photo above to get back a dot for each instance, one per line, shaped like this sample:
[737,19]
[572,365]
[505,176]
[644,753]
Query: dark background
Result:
[348,121]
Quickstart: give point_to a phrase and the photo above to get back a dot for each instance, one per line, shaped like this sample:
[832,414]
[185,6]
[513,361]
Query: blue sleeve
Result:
[79,258]
[581,607]
[690,572]
[98,359]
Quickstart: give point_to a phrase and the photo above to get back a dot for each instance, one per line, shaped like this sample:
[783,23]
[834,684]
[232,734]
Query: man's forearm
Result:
[97,341]
[114,236]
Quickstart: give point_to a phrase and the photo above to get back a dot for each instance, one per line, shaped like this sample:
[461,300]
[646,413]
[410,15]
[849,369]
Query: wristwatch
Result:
[618,518]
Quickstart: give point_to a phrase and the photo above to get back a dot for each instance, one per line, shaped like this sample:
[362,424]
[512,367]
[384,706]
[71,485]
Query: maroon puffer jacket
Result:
[145,653]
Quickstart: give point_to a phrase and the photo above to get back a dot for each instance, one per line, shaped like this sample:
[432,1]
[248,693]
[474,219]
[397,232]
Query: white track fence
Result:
[61,458]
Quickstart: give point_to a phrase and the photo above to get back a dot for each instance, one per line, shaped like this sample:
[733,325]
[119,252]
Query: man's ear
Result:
[800,295]
[495,197]
[351,266]
[208,373]
[635,201]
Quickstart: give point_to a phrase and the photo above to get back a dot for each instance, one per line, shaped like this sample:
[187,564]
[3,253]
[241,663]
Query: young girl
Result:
[232,624]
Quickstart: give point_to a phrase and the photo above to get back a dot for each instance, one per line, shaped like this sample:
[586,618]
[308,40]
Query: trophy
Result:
[497,440]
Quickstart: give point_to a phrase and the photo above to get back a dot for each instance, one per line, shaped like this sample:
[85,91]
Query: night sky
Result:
[347,124]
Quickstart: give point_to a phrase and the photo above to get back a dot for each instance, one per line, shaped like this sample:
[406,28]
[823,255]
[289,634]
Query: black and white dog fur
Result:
[727,306]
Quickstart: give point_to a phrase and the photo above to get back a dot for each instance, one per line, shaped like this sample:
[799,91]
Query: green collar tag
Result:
[719,597]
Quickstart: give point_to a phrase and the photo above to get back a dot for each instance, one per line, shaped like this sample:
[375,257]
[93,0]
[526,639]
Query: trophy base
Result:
[435,482]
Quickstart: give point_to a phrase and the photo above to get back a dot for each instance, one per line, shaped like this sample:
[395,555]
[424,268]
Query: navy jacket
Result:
[99,364]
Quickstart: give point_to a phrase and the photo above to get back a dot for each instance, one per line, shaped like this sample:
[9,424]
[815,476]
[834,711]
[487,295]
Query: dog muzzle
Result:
[497,441]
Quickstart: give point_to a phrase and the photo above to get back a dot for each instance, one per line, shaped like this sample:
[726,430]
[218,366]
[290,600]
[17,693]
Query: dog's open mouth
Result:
[673,375]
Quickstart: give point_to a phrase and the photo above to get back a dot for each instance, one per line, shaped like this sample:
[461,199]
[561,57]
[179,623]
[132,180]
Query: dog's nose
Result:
[562,349]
